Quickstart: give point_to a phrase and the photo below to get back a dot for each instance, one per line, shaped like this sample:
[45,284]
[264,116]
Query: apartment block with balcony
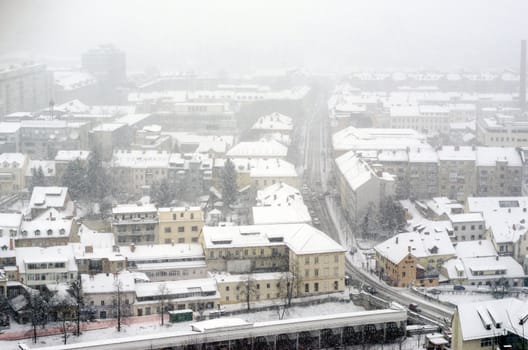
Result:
[499,171]
[135,223]
[456,172]
[180,224]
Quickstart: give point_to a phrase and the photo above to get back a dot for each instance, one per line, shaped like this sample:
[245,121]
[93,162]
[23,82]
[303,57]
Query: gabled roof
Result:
[488,319]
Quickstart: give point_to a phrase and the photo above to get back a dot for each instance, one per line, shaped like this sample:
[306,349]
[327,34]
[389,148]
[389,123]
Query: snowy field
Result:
[150,328]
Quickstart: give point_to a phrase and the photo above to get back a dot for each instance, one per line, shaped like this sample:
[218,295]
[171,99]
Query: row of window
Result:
[181,229]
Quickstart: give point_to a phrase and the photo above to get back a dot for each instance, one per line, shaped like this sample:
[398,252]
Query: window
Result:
[268,286]
[194,228]
[307,288]
[181,240]
[173,216]
[403,274]
[486,342]
[102,302]
[307,260]
[316,260]
[167,230]
[258,286]
[336,285]
[181,229]
[463,227]
[316,287]
[192,215]
[227,288]
[316,272]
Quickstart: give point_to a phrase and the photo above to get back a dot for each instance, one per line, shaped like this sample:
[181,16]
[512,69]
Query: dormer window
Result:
[49,232]
[62,232]
[24,233]
[37,232]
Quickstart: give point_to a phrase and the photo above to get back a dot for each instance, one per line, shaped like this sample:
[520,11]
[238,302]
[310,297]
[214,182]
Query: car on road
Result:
[459,287]
[370,289]
[353,250]
[434,291]
[316,221]
[414,307]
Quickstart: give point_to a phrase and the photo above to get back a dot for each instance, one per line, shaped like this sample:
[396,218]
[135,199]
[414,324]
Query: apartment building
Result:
[13,167]
[456,172]
[180,224]
[316,261]
[135,223]
[41,139]
[138,170]
[47,231]
[236,289]
[25,87]
[467,227]
[499,171]
[502,130]
[361,186]
[423,118]
[38,266]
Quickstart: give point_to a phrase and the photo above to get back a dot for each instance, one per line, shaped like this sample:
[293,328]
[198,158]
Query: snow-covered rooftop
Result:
[357,171]
[12,160]
[295,213]
[422,245]
[70,155]
[44,197]
[482,319]
[274,122]
[108,282]
[134,208]
[140,159]
[376,139]
[506,217]
[301,238]
[258,149]
[473,249]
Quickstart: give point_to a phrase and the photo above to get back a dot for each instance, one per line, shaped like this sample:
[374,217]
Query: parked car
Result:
[459,287]
[434,291]
[353,250]
[316,221]
[414,307]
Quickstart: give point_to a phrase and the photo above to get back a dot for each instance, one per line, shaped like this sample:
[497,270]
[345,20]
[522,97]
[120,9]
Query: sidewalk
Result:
[85,326]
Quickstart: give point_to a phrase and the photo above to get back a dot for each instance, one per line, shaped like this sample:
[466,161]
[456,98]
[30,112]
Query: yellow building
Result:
[315,261]
[180,224]
[236,289]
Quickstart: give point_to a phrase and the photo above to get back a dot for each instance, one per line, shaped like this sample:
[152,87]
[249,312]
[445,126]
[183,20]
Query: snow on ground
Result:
[469,297]
[155,327]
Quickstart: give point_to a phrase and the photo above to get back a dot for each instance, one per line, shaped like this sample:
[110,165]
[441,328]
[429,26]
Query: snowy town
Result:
[258,207]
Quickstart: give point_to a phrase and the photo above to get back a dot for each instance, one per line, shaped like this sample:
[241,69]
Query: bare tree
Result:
[163,290]
[287,286]
[121,305]
[65,306]
[248,289]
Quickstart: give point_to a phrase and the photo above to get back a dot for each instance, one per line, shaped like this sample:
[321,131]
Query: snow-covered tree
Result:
[229,183]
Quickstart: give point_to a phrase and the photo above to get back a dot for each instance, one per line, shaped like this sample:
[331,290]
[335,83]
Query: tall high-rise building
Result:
[108,65]
[24,88]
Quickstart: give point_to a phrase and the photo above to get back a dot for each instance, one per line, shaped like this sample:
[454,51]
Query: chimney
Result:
[522,77]
[396,240]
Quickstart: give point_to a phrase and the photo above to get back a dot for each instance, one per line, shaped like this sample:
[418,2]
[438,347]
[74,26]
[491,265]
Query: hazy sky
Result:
[245,35]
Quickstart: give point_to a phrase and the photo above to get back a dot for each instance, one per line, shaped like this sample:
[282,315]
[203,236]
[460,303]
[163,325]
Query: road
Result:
[317,172]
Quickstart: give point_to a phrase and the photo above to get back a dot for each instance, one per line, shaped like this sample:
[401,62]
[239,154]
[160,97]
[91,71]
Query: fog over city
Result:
[242,35]
[263,175]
